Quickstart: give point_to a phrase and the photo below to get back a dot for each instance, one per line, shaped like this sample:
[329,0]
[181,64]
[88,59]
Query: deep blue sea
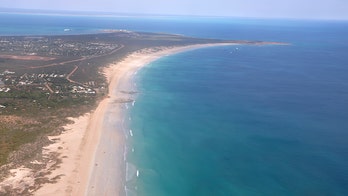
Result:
[232,120]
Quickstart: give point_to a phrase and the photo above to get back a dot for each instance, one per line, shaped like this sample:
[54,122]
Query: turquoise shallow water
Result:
[241,120]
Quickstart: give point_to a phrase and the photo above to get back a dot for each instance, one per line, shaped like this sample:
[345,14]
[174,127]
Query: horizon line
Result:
[132,14]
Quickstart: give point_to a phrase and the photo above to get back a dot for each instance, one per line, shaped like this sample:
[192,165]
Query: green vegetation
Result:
[11,138]
[30,116]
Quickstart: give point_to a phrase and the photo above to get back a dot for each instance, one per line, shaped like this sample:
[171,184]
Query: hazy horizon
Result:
[134,14]
[296,9]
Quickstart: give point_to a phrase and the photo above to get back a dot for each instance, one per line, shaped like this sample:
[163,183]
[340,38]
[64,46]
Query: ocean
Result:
[232,120]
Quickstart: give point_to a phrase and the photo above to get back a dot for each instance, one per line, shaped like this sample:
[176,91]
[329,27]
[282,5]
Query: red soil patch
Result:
[27,57]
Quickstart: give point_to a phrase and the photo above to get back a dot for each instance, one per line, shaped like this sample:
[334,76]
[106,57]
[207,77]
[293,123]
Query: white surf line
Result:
[125,153]
[131,132]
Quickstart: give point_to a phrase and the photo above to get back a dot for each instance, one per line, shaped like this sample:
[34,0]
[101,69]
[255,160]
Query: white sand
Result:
[21,178]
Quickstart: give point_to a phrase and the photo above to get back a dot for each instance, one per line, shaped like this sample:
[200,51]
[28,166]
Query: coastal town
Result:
[48,83]
[63,68]
[46,65]
[53,46]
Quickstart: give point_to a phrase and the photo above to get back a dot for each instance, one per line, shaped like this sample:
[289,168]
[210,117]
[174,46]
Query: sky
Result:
[306,9]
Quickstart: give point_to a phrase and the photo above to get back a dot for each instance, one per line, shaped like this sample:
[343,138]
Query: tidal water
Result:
[246,120]
[232,120]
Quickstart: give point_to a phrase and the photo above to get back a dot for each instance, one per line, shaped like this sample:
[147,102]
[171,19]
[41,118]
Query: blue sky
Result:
[313,9]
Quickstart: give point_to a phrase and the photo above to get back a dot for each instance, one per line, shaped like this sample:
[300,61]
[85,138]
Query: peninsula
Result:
[55,94]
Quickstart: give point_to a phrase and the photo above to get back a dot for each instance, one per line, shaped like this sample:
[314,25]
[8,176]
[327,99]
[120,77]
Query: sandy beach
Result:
[92,148]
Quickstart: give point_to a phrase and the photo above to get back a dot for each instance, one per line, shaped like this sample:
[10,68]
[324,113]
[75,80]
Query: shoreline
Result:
[92,147]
